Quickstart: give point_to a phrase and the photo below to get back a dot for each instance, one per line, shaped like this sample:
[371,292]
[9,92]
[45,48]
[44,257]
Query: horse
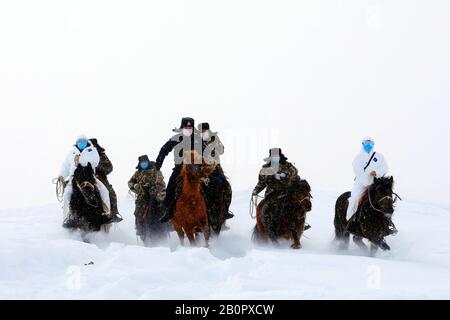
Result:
[372,221]
[191,215]
[218,194]
[148,225]
[86,205]
[295,204]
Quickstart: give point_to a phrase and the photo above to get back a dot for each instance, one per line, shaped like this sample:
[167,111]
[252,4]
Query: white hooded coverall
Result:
[88,155]
[363,178]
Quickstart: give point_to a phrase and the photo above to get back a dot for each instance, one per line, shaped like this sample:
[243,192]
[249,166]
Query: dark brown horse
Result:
[372,221]
[191,216]
[290,214]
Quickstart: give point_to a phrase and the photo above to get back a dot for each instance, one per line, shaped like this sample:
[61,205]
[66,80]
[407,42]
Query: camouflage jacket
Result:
[273,186]
[147,184]
[104,167]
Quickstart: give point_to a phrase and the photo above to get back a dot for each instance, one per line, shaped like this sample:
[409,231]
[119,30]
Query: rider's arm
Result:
[291,173]
[165,150]
[132,182]
[105,166]
[219,149]
[262,183]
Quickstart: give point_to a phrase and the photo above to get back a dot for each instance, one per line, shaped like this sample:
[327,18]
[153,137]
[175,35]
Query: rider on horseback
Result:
[105,168]
[212,150]
[367,165]
[83,152]
[148,185]
[276,176]
[186,139]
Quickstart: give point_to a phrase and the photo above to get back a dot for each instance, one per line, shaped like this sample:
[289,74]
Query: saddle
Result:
[363,198]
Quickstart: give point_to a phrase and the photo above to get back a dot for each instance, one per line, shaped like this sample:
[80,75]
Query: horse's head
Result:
[383,193]
[301,194]
[196,168]
[84,180]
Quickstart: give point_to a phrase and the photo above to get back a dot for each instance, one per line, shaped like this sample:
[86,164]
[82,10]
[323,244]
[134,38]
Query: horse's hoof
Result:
[296,246]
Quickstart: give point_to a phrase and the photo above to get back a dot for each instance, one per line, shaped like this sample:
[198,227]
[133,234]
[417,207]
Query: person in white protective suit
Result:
[367,165]
[82,153]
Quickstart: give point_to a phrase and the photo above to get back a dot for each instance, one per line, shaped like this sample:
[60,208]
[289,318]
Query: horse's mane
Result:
[84,173]
[301,185]
[387,182]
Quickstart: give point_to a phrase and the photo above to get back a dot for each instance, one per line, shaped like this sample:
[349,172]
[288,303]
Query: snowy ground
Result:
[40,260]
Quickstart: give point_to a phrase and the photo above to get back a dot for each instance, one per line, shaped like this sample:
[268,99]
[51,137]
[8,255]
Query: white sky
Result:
[312,77]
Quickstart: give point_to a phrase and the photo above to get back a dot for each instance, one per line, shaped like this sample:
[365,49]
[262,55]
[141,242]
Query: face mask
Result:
[82,145]
[368,148]
[275,159]
[205,135]
[144,165]
[187,132]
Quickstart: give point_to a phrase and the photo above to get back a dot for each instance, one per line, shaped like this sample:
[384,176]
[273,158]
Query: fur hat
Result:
[186,122]
[143,158]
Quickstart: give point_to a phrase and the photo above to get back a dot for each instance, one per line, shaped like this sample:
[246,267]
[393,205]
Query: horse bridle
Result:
[308,197]
[84,185]
[386,197]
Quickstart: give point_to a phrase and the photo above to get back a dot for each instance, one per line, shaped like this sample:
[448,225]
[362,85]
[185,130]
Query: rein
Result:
[60,188]
[386,197]
[308,197]
[254,205]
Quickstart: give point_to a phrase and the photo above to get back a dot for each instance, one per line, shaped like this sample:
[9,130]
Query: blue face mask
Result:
[82,145]
[144,165]
[368,147]
[275,159]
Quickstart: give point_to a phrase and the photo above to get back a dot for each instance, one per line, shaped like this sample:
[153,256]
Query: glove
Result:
[77,160]
[61,179]
[280,176]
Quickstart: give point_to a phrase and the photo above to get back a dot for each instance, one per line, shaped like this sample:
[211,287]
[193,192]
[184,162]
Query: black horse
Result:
[372,221]
[86,204]
[218,195]
[148,214]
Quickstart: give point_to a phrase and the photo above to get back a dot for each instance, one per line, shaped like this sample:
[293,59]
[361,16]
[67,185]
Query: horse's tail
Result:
[340,218]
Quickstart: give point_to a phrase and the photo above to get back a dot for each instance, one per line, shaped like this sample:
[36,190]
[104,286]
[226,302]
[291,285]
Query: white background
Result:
[313,77]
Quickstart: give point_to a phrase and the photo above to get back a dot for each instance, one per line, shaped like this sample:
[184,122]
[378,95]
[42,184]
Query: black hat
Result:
[203,126]
[187,122]
[143,158]
[96,145]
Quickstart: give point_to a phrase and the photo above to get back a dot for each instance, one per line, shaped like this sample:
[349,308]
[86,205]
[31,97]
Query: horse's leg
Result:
[344,241]
[297,229]
[373,250]
[179,230]
[295,237]
[191,236]
[207,234]
[359,242]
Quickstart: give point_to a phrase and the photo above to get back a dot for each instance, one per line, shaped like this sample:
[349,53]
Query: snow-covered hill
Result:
[38,259]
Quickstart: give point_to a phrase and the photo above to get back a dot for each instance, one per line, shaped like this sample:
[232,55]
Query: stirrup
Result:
[117,218]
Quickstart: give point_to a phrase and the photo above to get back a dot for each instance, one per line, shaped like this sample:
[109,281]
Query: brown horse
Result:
[291,215]
[191,215]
